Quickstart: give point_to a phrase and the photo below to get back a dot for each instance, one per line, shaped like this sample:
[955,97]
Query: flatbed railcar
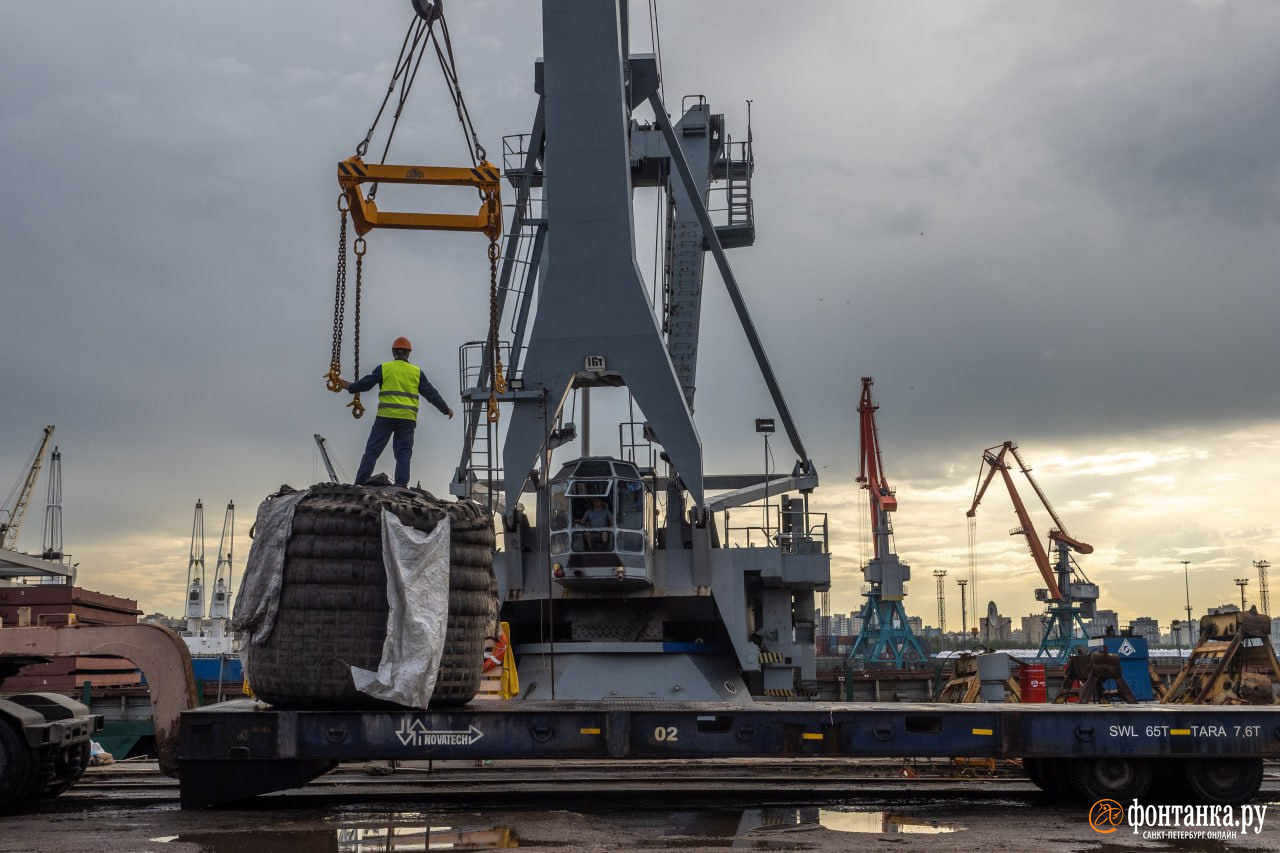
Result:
[239,749]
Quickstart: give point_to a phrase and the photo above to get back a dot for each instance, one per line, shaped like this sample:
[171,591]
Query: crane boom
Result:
[324,454]
[10,529]
[871,470]
[997,462]
[1026,471]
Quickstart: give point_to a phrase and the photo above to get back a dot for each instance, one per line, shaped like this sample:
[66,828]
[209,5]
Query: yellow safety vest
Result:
[398,397]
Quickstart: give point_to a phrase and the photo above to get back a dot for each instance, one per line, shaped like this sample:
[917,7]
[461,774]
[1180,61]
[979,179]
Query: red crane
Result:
[995,461]
[886,638]
[871,471]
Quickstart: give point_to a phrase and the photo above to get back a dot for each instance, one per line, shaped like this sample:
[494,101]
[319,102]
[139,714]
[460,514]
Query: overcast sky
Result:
[1052,222]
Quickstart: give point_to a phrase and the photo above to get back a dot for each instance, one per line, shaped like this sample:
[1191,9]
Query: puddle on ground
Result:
[352,839]
[882,823]
[406,831]
[742,827]
[745,823]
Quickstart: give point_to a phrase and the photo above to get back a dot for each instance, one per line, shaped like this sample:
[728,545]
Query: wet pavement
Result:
[975,815]
[1017,824]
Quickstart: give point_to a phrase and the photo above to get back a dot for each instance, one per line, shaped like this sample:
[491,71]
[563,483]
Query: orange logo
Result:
[1106,816]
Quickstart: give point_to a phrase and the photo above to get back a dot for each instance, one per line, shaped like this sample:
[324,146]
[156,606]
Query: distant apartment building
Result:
[1183,634]
[837,624]
[994,628]
[1033,628]
[916,624]
[1104,621]
[1147,628]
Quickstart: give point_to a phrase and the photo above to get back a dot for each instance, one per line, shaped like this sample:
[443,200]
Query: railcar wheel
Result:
[1110,778]
[70,769]
[17,772]
[1034,773]
[1223,781]
[1053,778]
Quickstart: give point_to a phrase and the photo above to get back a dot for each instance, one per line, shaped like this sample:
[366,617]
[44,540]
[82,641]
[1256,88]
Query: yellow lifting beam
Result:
[485,177]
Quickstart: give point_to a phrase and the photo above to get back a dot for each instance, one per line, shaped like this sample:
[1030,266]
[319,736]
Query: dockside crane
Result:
[52,549]
[1069,600]
[15,508]
[324,455]
[886,639]
[196,575]
[220,603]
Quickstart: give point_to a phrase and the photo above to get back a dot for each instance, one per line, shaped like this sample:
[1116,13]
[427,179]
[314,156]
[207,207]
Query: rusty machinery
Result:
[1233,664]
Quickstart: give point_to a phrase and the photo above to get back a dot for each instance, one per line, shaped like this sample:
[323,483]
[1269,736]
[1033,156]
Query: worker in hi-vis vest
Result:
[400,385]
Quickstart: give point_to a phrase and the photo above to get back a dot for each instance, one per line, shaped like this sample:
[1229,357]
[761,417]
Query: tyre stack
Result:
[333,601]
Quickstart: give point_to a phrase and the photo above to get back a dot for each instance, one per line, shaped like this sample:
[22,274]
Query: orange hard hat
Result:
[402,343]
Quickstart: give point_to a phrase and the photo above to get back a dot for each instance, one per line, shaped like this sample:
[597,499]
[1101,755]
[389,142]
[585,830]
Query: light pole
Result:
[1186,577]
[1242,583]
[765,427]
[1176,629]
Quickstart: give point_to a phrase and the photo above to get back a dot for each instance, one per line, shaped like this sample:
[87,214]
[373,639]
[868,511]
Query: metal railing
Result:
[761,528]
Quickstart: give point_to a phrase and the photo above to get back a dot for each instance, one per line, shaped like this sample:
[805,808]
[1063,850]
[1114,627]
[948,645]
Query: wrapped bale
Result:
[332,609]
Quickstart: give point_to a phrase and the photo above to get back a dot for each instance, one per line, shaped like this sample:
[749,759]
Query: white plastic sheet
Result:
[259,598]
[417,567]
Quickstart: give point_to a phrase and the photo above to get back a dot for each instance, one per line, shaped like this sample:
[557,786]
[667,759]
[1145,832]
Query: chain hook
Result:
[333,379]
[499,385]
[356,407]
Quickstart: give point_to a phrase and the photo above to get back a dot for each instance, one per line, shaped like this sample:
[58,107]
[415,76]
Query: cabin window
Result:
[630,499]
[559,506]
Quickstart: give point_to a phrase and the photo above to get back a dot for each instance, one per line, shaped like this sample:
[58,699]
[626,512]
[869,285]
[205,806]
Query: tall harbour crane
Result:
[886,638]
[196,575]
[1069,594]
[52,549]
[664,589]
[220,603]
[324,455]
[15,508]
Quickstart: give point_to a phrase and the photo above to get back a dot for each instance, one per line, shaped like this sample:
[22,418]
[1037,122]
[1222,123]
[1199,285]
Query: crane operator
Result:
[400,384]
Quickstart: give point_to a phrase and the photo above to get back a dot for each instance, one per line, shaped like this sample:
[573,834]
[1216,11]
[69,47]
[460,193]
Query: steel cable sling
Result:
[363,209]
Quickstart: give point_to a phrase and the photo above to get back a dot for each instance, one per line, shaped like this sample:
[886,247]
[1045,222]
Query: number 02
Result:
[666,734]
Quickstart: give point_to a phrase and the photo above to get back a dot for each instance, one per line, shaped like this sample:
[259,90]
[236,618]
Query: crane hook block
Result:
[427,10]
[486,178]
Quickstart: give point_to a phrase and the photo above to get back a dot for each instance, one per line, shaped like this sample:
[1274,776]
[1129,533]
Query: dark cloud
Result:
[1044,221]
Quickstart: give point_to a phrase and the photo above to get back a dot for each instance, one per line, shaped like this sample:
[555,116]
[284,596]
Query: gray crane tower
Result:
[614,571]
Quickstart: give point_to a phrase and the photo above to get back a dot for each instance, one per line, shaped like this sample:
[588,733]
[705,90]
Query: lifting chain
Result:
[333,379]
[421,32]
[356,407]
[499,384]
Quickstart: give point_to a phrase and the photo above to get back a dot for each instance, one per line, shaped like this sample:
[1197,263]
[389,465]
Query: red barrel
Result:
[1031,682]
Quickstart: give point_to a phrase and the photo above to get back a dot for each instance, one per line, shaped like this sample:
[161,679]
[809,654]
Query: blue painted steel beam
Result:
[639,729]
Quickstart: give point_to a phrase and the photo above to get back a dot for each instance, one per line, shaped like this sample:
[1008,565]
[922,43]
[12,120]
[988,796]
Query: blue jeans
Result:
[399,429]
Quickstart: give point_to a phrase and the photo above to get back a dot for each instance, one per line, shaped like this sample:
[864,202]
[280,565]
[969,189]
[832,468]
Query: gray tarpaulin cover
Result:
[417,566]
[259,598]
